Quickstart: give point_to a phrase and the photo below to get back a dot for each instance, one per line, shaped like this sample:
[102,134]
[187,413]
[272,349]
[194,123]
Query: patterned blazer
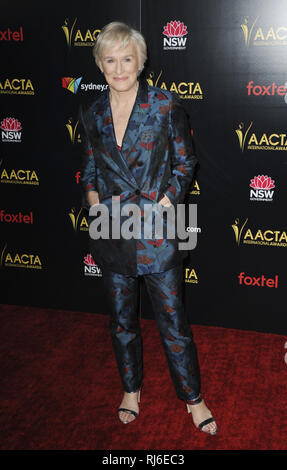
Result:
[156,158]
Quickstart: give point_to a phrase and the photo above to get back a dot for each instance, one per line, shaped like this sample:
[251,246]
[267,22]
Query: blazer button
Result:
[138,192]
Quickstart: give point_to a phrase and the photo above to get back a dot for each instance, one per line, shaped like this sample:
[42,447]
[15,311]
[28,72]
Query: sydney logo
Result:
[71,84]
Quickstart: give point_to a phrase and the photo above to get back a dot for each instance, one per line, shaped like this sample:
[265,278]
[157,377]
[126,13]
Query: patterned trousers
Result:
[165,293]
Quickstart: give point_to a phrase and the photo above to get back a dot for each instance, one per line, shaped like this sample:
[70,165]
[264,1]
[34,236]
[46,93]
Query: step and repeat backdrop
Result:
[226,60]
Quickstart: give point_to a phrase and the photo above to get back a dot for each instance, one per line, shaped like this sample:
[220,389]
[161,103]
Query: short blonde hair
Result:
[120,32]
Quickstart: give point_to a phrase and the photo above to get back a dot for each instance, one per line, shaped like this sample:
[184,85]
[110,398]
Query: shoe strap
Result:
[125,410]
[196,401]
[204,423]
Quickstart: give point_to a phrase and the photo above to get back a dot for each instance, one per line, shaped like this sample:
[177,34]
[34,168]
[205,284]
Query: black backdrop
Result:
[230,72]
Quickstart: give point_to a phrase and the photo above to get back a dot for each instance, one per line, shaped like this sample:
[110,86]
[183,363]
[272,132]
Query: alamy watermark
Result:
[154,222]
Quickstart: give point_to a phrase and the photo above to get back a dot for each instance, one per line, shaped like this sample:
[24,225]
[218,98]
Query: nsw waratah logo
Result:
[10,130]
[261,188]
[71,84]
[90,267]
[175,33]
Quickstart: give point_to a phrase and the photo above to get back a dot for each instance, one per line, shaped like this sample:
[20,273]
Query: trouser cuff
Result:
[194,401]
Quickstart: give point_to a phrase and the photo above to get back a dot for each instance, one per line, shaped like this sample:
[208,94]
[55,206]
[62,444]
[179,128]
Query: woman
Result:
[138,153]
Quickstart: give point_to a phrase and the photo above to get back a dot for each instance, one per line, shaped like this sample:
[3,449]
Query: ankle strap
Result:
[195,401]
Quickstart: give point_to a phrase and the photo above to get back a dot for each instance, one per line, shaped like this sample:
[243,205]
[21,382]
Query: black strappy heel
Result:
[132,412]
[206,421]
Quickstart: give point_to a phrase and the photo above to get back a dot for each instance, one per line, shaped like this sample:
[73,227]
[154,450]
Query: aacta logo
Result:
[19,260]
[261,188]
[174,33]
[71,84]
[16,218]
[258,36]
[10,128]
[90,267]
[191,276]
[16,86]
[276,141]
[185,90]
[79,223]
[77,37]
[10,35]
[18,176]
[73,131]
[260,281]
[251,236]
[195,190]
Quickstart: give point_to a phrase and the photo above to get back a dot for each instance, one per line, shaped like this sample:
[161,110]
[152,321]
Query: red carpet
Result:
[60,387]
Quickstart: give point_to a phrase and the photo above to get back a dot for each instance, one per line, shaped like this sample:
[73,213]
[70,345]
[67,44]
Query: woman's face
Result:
[120,67]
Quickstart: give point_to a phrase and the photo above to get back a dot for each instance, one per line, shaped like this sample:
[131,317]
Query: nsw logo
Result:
[261,186]
[10,130]
[175,33]
[90,267]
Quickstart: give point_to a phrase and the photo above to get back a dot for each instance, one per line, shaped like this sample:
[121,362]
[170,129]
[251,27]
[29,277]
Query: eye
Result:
[109,61]
[128,59]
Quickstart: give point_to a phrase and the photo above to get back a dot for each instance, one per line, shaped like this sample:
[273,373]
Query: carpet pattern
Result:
[61,389]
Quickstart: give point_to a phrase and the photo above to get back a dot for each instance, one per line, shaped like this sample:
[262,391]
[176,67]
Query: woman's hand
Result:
[93,198]
[165,201]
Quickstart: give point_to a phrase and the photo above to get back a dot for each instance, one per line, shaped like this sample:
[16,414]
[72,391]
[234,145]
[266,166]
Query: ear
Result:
[140,69]
[100,65]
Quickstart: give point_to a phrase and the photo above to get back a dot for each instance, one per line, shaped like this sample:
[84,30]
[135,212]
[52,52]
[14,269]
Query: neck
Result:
[122,97]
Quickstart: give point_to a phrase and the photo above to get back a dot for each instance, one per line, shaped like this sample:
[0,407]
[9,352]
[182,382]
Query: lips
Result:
[120,78]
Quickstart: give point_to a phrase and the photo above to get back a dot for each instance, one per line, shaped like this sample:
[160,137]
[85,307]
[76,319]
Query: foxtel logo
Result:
[10,35]
[261,90]
[78,177]
[260,281]
[16,218]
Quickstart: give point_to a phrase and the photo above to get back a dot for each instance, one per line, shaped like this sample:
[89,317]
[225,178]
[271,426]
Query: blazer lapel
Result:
[114,157]
[137,119]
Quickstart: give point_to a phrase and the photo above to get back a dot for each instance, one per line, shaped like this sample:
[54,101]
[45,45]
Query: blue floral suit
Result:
[156,158]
